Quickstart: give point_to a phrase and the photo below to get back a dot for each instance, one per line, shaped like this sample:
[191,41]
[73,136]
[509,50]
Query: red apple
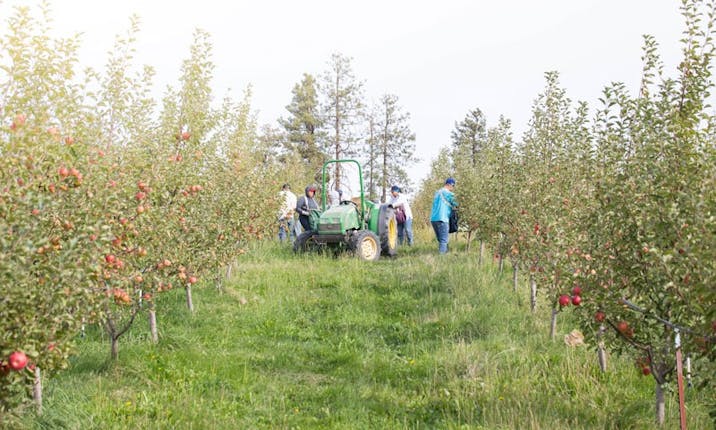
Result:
[622,326]
[192,280]
[646,371]
[576,291]
[576,300]
[563,300]
[110,258]
[185,135]
[20,119]
[17,360]
[599,316]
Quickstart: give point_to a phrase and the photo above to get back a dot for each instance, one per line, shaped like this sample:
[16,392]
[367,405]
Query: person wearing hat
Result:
[286,227]
[443,204]
[405,221]
[304,206]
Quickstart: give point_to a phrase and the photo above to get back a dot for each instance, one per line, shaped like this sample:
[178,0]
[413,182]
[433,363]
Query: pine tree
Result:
[469,136]
[342,105]
[396,144]
[303,125]
[370,167]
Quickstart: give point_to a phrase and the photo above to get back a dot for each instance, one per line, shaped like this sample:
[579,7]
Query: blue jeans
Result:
[286,229]
[442,234]
[405,231]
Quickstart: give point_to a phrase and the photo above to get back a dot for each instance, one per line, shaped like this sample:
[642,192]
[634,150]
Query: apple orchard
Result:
[103,207]
[108,199]
[611,218]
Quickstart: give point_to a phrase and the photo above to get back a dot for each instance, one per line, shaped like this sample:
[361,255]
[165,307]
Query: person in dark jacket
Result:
[304,206]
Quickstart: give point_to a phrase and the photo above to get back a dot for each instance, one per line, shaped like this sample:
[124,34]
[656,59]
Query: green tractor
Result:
[367,229]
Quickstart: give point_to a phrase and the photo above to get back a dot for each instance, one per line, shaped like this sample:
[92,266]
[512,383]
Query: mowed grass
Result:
[417,342]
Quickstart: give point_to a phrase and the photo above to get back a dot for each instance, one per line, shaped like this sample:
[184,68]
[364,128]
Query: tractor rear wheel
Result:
[388,231]
[366,246]
[305,242]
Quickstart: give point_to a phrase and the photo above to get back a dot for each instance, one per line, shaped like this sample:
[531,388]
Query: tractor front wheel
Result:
[388,230]
[305,242]
[366,245]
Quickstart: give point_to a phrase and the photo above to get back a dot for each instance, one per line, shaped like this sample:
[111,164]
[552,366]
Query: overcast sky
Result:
[441,58]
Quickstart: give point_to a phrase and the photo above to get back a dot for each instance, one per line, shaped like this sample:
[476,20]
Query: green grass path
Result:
[316,342]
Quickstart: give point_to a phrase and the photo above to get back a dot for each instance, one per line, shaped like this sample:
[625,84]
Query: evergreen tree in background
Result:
[303,124]
[469,136]
[342,104]
[370,167]
[396,148]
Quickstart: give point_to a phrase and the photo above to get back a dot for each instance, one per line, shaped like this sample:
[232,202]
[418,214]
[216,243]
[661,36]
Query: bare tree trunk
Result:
[515,273]
[553,324]
[660,411]
[153,324]
[37,390]
[469,240]
[114,350]
[501,264]
[189,301]
[533,294]
[482,252]
[601,351]
[230,266]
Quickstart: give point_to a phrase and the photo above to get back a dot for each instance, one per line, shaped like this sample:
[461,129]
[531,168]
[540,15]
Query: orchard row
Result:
[105,204]
[614,216]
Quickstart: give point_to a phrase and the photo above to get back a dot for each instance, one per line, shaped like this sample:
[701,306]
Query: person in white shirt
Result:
[334,197]
[286,224]
[405,222]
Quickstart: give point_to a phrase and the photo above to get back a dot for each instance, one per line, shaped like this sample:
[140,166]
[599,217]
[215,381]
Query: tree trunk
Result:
[189,301]
[501,264]
[230,269]
[469,240]
[482,252]
[37,390]
[601,351]
[553,324]
[660,411]
[114,351]
[153,324]
[533,294]
[515,277]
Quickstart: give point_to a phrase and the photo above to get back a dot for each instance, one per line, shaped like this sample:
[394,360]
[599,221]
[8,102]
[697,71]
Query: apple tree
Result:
[651,233]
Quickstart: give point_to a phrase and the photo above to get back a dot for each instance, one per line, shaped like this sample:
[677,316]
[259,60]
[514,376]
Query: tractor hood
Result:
[338,219]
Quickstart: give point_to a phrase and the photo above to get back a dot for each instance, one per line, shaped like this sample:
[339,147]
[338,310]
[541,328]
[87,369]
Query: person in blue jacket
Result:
[443,204]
